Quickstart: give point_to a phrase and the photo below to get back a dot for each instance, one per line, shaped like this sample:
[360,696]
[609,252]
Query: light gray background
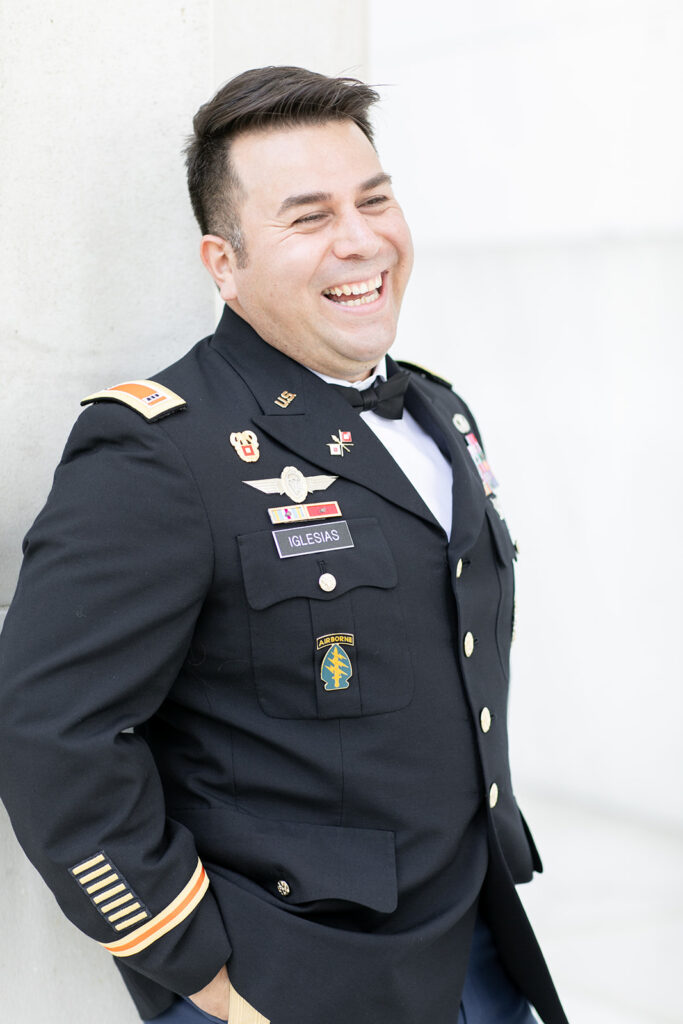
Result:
[537,151]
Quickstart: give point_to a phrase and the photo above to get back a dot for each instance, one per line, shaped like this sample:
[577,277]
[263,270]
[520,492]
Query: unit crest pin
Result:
[245,444]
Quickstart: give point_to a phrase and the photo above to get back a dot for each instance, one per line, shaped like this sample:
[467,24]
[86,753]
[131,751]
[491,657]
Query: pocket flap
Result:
[501,535]
[317,862]
[269,579]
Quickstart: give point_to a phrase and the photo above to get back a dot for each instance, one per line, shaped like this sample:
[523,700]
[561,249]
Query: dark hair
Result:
[262,98]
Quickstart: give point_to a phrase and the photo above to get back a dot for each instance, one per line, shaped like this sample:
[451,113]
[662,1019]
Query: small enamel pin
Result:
[245,444]
[340,443]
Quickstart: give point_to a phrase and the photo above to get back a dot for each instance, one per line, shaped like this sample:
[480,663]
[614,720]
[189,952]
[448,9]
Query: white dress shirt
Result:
[415,452]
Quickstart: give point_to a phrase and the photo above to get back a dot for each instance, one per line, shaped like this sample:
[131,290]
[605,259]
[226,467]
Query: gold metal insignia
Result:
[293,483]
[285,398]
[245,444]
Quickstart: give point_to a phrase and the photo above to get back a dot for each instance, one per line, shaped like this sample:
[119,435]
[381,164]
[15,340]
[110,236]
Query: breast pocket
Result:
[327,653]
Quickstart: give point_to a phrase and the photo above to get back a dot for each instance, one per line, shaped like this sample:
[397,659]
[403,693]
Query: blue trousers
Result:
[489,997]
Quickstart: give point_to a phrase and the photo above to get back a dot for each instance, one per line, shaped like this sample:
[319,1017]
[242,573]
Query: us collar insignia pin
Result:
[245,444]
[293,483]
[284,399]
[341,442]
[481,462]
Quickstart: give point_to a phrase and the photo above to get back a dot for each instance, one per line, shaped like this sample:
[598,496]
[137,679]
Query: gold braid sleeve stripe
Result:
[172,915]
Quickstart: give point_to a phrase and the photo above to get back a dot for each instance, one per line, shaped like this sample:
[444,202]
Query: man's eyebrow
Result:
[379,179]
[307,198]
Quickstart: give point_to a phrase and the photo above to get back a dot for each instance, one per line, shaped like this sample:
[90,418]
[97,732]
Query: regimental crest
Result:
[341,442]
[336,669]
[245,444]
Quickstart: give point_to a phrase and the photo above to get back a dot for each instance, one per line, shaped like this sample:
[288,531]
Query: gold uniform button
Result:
[283,888]
[493,795]
[485,719]
[468,644]
[458,569]
[327,582]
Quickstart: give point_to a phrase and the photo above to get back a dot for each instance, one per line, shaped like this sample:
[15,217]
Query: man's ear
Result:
[218,256]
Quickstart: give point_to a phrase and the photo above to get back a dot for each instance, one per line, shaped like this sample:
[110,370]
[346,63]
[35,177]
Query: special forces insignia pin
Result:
[336,668]
[245,444]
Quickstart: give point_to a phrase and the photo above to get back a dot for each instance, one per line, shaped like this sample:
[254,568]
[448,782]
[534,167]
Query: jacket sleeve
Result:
[115,571]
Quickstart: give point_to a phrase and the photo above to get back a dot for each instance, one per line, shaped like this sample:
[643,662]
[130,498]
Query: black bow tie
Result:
[385,397]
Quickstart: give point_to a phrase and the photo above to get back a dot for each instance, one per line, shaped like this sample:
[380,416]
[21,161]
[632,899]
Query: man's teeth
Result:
[367,289]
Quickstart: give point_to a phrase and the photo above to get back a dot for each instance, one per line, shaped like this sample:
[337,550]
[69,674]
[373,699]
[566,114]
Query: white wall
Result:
[537,152]
[101,282]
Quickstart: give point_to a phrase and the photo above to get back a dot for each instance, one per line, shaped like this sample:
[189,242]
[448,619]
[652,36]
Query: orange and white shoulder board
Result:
[170,917]
[147,397]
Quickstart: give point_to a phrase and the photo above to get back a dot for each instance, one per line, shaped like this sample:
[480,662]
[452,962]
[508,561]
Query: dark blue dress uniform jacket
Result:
[164,722]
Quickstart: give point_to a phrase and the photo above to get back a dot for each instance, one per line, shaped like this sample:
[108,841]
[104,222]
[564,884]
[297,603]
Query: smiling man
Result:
[257,742]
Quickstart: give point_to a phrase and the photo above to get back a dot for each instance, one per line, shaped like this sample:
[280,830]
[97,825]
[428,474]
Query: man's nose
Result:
[355,237]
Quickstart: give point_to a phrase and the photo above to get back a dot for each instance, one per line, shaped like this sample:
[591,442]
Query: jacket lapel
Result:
[469,499]
[307,423]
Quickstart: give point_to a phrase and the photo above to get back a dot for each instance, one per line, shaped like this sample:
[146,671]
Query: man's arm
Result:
[116,568]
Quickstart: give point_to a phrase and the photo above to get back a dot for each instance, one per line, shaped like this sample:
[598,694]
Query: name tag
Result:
[303,540]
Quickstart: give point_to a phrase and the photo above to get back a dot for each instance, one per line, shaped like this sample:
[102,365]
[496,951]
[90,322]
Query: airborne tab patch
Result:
[146,397]
[334,638]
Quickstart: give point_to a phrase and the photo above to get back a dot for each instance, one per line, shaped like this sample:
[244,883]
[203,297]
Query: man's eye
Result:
[375,201]
[310,218]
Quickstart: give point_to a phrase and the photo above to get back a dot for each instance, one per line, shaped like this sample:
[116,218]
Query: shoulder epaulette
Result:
[425,373]
[146,397]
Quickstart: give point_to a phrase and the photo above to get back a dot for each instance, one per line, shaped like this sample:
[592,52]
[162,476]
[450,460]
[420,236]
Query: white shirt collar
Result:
[379,374]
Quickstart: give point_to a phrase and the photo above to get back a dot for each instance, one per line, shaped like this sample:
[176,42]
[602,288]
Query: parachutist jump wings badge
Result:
[293,483]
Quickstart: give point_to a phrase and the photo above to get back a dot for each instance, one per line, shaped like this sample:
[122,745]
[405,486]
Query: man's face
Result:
[328,251]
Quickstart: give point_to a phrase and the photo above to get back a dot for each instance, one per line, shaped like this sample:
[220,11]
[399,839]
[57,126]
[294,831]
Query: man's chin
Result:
[364,342]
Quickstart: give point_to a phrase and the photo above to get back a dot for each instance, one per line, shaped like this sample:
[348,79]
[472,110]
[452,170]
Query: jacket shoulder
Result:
[424,372]
[166,393]
[150,399]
